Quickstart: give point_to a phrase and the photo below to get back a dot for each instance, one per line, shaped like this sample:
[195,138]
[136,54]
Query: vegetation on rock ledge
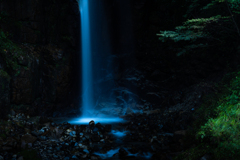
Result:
[217,27]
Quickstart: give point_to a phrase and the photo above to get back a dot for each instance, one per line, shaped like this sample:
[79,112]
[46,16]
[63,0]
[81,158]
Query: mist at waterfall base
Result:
[95,46]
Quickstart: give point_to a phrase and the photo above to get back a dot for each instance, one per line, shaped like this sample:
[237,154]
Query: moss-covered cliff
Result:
[38,55]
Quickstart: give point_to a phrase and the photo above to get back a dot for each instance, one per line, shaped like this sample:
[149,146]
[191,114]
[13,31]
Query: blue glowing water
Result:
[96,120]
[146,155]
[87,90]
[109,154]
[118,133]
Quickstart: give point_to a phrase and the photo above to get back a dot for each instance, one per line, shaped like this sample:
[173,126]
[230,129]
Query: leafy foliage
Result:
[224,129]
[217,28]
[216,127]
[233,4]
[191,30]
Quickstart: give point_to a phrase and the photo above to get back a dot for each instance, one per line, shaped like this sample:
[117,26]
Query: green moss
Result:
[194,153]
[67,38]
[217,128]
[10,51]
[224,128]
[29,154]
[17,73]
[19,107]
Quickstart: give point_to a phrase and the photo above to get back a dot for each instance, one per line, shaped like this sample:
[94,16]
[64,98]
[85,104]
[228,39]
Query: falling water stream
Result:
[87,90]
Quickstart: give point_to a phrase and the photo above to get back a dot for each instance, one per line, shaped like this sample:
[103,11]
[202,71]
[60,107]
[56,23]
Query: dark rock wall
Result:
[5,95]
[46,78]
[46,21]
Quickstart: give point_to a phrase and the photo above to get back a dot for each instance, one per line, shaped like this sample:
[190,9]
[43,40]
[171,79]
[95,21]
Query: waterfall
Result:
[87,51]
[87,82]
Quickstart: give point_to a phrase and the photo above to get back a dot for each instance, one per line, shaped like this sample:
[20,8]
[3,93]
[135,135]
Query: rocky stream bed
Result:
[149,130]
[149,135]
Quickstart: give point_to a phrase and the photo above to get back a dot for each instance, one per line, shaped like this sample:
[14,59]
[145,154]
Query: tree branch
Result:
[233,18]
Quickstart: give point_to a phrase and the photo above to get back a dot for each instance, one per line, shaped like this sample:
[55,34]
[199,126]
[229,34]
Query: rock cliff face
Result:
[45,21]
[44,78]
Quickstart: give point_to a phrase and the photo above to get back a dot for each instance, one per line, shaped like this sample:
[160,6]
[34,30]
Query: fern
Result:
[218,28]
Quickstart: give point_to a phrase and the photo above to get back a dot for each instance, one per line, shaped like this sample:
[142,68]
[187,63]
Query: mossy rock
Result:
[29,154]
[3,136]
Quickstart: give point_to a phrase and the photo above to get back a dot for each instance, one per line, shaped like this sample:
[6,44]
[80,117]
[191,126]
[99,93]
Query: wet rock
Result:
[34,120]
[20,158]
[91,123]
[133,150]
[100,127]
[84,155]
[85,150]
[129,111]
[73,134]
[43,138]
[58,132]
[181,132]
[108,128]
[7,148]
[28,138]
[27,130]
[160,155]
[95,129]
[206,157]
[13,113]
[53,124]
[95,138]
[44,120]
[122,153]
[56,114]
[116,156]
[74,157]
[94,158]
